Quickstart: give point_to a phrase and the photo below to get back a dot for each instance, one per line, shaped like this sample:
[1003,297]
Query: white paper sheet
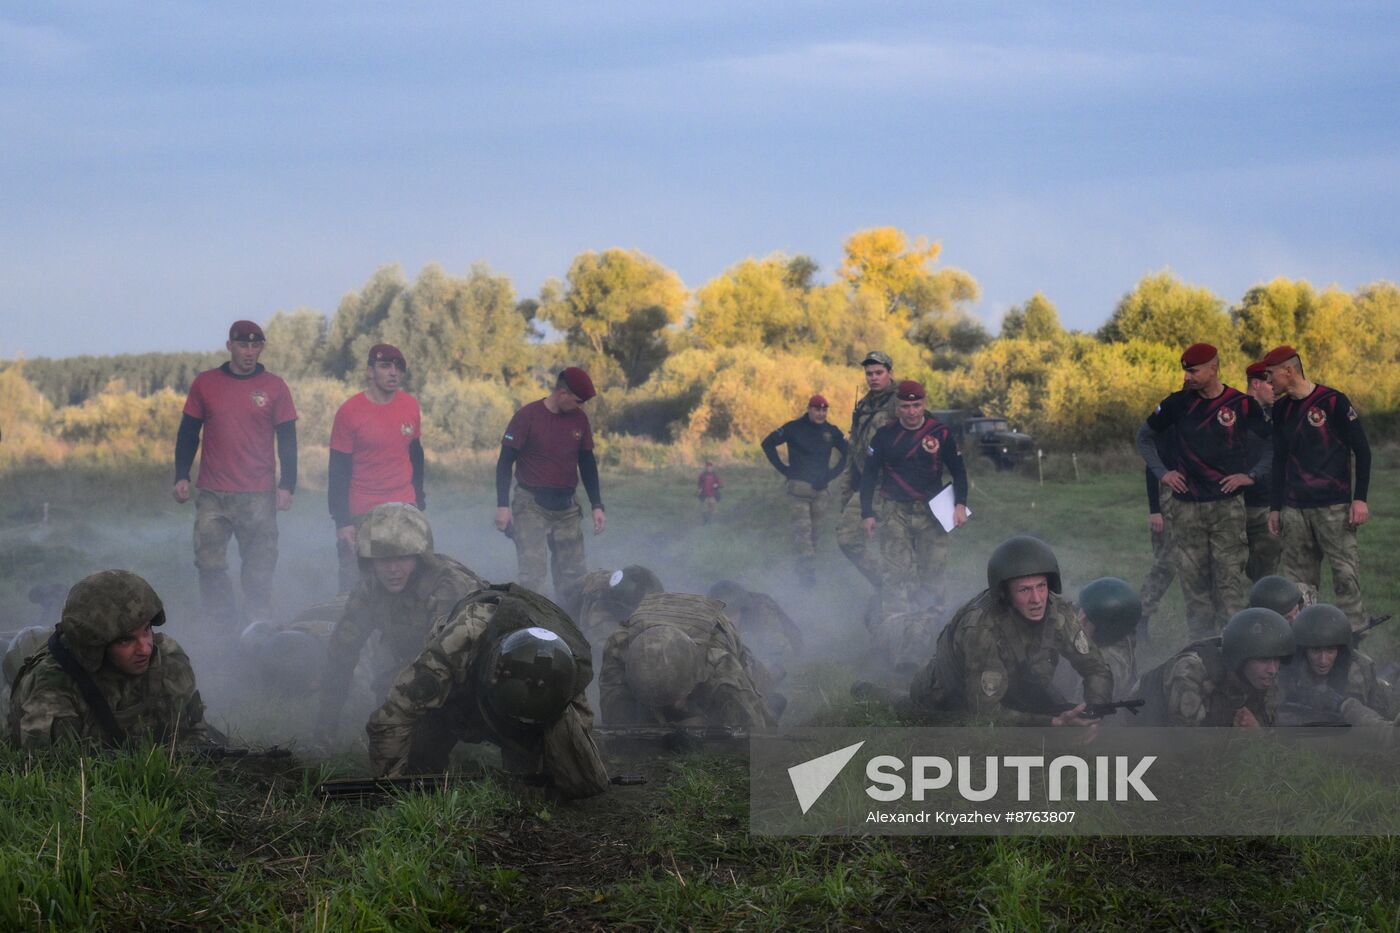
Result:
[941,506]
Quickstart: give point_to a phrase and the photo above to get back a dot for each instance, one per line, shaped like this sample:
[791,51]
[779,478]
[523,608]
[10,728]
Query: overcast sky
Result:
[167,167]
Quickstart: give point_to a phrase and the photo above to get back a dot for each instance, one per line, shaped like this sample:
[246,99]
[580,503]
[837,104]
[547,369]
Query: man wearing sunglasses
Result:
[810,441]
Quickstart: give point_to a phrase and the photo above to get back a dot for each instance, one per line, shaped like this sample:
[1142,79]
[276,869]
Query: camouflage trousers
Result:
[708,506]
[1309,535]
[1163,572]
[251,519]
[1264,548]
[348,558]
[850,537]
[1210,549]
[548,541]
[913,555]
[808,509]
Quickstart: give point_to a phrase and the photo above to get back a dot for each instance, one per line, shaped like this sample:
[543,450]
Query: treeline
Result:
[683,374]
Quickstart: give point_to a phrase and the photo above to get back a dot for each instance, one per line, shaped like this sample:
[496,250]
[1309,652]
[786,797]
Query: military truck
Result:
[987,436]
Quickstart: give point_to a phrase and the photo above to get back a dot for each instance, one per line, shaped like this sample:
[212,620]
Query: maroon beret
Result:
[578,382]
[1256,370]
[909,390]
[818,401]
[387,353]
[245,330]
[1198,353]
[1279,355]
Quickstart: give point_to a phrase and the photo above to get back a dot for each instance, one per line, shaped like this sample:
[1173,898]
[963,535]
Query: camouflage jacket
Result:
[1200,692]
[872,412]
[1353,676]
[443,678]
[730,691]
[46,705]
[404,621]
[991,662]
[770,632]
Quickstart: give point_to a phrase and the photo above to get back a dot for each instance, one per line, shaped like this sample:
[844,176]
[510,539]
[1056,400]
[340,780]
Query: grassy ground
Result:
[144,840]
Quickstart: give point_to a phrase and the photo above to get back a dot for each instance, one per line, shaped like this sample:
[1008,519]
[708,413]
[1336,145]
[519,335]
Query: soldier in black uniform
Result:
[810,441]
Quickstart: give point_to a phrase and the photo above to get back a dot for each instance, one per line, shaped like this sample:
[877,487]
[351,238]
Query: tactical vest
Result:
[696,616]
[1220,709]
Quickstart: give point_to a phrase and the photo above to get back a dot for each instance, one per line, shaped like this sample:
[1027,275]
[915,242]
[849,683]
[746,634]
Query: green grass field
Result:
[147,840]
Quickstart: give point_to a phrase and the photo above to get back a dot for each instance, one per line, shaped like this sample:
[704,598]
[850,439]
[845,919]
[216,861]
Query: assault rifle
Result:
[1294,713]
[1371,623]
[1100,710]
[361,788]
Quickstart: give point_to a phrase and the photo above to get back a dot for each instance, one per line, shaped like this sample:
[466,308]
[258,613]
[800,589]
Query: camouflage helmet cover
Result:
[25,643]
[1280,594]
[1256,633]
[394,529]
[528,676]
[102,608]
[1322,626]
[1022,556]
[661,666]
[1112,605]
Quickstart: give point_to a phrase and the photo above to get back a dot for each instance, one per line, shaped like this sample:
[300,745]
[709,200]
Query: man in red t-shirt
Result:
[550,444]
[241,408]
[708,486]
[376,454]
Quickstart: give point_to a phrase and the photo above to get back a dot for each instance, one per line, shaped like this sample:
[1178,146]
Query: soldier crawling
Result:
[608,597]
[997,655]
[405,591]
[678,661]
[1330,678]
[105,676]
[509,667]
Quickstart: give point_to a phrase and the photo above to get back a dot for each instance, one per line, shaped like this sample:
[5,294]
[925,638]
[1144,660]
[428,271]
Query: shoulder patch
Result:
[510,437]
[1081,642]
[1351,413]
[991,682]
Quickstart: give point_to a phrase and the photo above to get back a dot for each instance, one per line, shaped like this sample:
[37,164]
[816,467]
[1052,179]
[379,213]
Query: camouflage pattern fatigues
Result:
[1199,691]
[548,541]
[1353,676]
[769,632]
[990,662]
[913,556]
[1121,659]
[1264,549]
[1163,572]
[434,702]
[900,638]
[1211,550]
[730,689]
[403,620]
[46,706]
[251,518]
[1312,533]
[808,507]
[597,614]
[872,412]
[347,560]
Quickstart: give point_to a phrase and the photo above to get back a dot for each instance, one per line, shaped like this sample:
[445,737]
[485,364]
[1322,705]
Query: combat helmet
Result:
[102,608]
[394,529]
[290,661]
[1113,606]
[1022,556]
[630,585]
[528,677]
[25,643]
[661,666]
[1322,626]
[1280,594]
[1256,633]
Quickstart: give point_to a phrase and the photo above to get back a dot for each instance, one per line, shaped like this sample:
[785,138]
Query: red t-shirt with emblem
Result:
[240,415]
[377,438]
[549,445]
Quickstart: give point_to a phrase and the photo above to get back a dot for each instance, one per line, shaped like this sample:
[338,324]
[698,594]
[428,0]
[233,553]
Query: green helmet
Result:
[254,636]
[290,661]
[734,596]
[1255,633]
[1113,606]
[630,585]
[528,676]
[661,666]
[102,608]
[25,643]
[1280,594]
[1322,626]
[1022,556]
[395,529]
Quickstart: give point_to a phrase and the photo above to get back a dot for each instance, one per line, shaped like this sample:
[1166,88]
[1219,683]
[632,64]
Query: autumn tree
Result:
[1163,309]
[617,304]
[359,315]
[1036,320]
[296,344]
